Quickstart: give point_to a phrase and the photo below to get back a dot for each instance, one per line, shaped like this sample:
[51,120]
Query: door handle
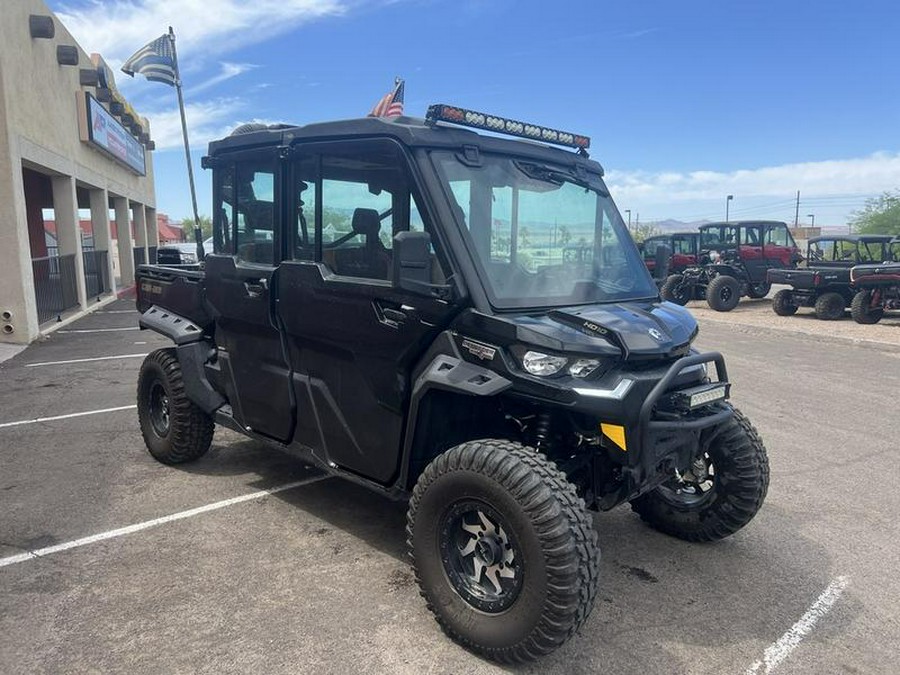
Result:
[256,288]
[393,314]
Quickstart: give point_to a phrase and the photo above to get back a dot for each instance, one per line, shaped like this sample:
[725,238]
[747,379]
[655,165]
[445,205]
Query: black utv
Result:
[391,300]
[734,260]
[824,283]
[877,287]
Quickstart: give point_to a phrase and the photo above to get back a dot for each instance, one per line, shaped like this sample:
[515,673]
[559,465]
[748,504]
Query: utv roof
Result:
[408,131]
[666,235]
[864,238]
[743,223]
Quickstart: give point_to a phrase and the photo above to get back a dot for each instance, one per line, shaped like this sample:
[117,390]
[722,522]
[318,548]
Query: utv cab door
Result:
[240,276]
[353,338]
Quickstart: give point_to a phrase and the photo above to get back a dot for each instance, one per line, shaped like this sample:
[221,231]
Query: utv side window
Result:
[351,201]
[777,236]
[254,218]
[223,216]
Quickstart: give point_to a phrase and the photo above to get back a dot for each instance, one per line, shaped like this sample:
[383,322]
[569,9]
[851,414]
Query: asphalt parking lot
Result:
[313,578]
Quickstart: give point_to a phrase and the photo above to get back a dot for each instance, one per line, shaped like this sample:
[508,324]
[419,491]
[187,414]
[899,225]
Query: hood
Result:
[636,329]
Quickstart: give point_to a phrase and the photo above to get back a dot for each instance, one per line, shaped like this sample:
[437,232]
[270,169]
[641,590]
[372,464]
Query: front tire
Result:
[503,550]
[830,306]
[723,293]
[674,290]
[862,311]
[720,494]
[783,303]
[175,430]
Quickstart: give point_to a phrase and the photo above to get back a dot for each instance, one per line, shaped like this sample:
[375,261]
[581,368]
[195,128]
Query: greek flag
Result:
[155,61]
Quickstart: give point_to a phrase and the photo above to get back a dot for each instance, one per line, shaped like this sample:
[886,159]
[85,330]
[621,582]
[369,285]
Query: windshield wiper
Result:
[557,177]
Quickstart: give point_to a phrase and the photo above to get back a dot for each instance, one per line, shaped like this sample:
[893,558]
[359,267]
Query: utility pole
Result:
[628,211]
[727,203]
[797,211]
[812,216]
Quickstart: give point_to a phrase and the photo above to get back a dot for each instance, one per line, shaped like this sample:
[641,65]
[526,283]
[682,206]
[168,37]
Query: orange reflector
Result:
[615,433]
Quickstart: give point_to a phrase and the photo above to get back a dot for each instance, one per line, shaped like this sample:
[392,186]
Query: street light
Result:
[628,211]
[812,217]
[727,204]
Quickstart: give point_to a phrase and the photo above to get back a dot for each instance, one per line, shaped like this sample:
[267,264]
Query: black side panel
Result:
[352,346]
[250,348]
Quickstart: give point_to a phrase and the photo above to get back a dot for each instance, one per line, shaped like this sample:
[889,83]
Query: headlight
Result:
[188,258]
[583,367]
[537,363]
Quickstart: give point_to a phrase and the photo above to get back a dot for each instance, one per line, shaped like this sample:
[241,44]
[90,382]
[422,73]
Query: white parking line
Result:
[94,358]
[117,311]
[98,330]
[181,515]
[779,651]
[65,417]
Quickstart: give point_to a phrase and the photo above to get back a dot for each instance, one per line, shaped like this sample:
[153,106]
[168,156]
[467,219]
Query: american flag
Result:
[391,104]
[155,61]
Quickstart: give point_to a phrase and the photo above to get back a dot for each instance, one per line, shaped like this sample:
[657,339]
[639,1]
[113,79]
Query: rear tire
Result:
[783,303]
[830,306]
[175,430]
[723,293]
[861,309]
[737,491]
[673,290]
[494,500]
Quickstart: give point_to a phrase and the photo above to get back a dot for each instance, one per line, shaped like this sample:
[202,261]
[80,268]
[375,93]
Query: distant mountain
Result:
[672,225]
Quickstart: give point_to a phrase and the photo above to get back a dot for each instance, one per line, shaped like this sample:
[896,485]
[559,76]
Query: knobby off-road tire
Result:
[759,291]
[783,303]
[723,293]
[673,290]
[830,306]
[508,496]
[174,429]
[739,483]
[861,309]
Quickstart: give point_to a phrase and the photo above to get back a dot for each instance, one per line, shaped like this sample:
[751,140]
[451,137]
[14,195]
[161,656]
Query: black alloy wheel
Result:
[480,556]
[159,409]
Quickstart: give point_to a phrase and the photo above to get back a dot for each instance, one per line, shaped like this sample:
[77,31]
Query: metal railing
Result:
[54,285]
[96,273]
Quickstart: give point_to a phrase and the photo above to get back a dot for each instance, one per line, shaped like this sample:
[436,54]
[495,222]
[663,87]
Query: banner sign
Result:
[106,133]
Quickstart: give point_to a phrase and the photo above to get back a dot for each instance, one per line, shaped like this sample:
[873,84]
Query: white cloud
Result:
[226,72]
[861,176]
[206,121]
[118,28]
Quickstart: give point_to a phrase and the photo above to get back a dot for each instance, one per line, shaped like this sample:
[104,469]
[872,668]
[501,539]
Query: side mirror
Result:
[662,261]
[412,262]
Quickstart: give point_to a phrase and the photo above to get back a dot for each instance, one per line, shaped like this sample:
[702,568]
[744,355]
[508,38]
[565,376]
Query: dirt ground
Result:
[759,314]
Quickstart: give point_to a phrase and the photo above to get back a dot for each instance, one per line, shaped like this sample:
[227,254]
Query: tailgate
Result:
[179,291]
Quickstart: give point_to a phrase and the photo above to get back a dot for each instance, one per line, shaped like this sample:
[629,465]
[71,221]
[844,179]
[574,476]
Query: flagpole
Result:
[198,234]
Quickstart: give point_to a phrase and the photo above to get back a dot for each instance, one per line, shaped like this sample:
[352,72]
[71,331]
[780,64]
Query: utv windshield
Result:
[542,236]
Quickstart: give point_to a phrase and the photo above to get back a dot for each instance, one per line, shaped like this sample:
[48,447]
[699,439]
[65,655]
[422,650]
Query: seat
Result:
[371,260]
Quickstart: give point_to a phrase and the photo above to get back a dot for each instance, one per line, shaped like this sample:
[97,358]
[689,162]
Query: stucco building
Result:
[74,154]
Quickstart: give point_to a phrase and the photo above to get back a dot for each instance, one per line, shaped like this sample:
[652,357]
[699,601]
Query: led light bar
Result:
[441,112]
[697,397]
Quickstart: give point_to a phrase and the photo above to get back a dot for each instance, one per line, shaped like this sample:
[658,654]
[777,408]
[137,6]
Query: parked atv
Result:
[825,283]
[375,305]
[684,250]
[878,288]
[739,255]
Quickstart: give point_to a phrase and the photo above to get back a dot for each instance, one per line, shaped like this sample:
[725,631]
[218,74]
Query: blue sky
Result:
[685,102]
